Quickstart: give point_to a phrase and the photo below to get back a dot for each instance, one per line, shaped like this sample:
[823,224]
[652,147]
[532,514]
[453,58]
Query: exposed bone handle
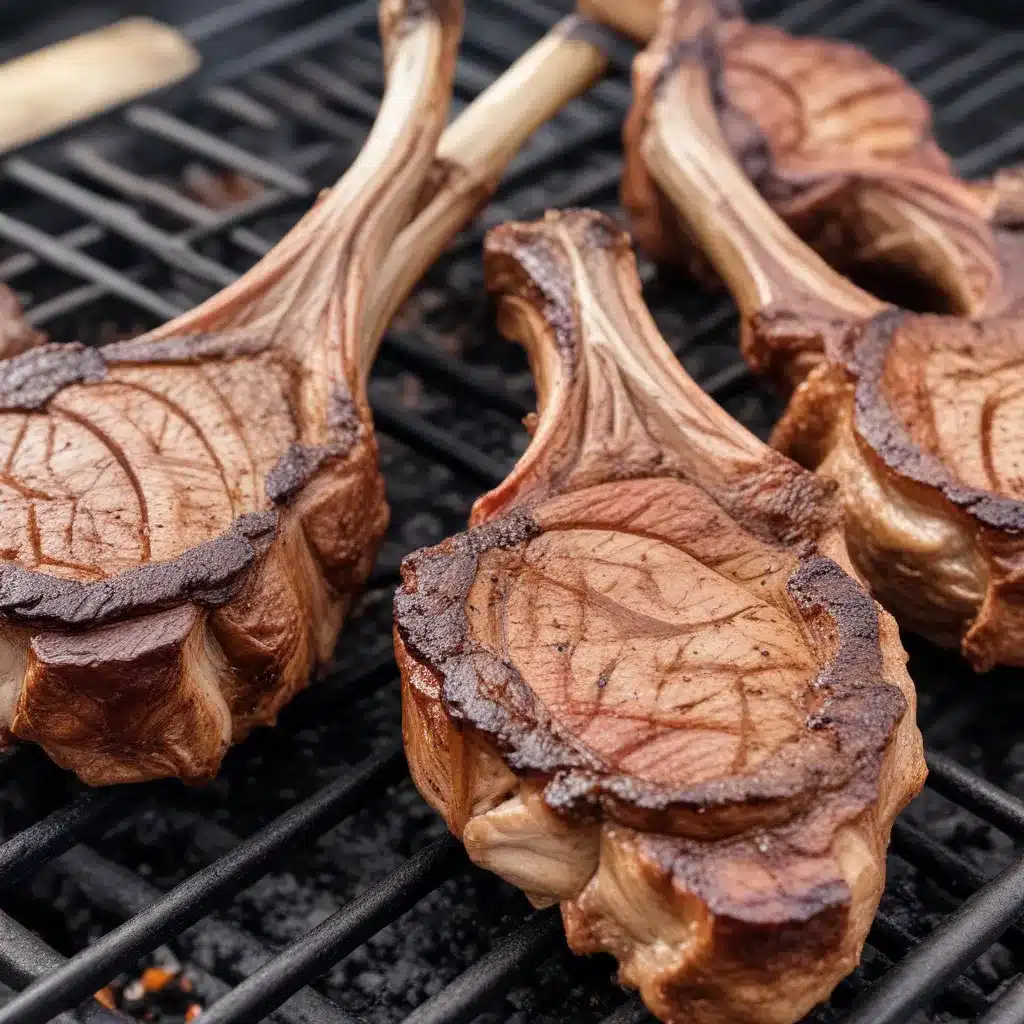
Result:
[613,399]
[764,263]
[479,145]
[77,78]
[844,128]
[311,291]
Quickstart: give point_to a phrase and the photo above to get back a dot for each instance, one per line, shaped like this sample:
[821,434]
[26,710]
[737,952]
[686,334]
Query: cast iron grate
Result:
[103,242]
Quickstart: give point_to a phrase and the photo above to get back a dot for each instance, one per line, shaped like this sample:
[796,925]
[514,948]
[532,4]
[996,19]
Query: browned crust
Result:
[886,434]
[28,381]
[208,574]
[31,378]
[482,690]
[301,462]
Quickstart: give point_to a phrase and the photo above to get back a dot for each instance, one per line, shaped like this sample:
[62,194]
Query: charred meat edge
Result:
[826,341]
[817,929]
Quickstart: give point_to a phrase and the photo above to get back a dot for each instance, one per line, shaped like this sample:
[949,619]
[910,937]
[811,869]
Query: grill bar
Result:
[40,843]
[465,997]
[959,940]
[120,891]
[306,959]
[26,958]
[190,901]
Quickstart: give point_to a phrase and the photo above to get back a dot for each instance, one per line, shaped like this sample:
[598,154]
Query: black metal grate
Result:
[104,242]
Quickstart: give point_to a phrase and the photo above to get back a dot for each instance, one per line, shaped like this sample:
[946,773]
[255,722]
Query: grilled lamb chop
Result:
[646,684]
[17,335]
[188,516]
[842,148]
[918,417]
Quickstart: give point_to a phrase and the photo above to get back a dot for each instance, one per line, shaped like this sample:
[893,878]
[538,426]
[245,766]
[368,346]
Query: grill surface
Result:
[346,901]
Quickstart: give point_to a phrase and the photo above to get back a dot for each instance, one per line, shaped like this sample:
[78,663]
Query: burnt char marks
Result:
[526,264]
[529,262]
[477,687]
[208,574]
[860,709]
[189,348]
[485,690]
[881,427]
[28,381]
[299,463]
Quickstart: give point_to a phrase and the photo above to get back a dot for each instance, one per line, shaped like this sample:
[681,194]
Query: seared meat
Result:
[16,333]
[188,516]
[918,417]
[842,148]
[646,684]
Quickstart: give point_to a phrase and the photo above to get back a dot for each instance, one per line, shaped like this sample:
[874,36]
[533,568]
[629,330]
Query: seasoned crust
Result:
[630,692]
[481,687]
[206,500]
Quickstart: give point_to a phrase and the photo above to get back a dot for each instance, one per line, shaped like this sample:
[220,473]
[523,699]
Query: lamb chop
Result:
[646,684]
[842,148]
[917,416]
[17,335]
[188,516]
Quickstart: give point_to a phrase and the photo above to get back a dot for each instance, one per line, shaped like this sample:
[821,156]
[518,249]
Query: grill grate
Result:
[105,241]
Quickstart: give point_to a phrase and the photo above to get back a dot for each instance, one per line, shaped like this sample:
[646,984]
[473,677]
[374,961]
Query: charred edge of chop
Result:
[483,690]
[211,573]
[736,889]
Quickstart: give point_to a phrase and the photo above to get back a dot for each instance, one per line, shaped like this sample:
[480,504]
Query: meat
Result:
[917,416]
[188,516]
[842,148]
[646,684]
[16,333]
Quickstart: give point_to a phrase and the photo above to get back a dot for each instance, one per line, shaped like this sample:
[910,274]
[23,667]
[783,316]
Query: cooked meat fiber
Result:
[188,516]
[646,683]
[842,148]
[17,335]
[918,417]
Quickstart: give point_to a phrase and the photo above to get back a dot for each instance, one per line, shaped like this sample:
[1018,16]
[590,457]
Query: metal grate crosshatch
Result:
[295,922]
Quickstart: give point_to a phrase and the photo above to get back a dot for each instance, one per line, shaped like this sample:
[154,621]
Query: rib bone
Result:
[211,490]
[187,516]
[842,148]
[646,684]
[918,417]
